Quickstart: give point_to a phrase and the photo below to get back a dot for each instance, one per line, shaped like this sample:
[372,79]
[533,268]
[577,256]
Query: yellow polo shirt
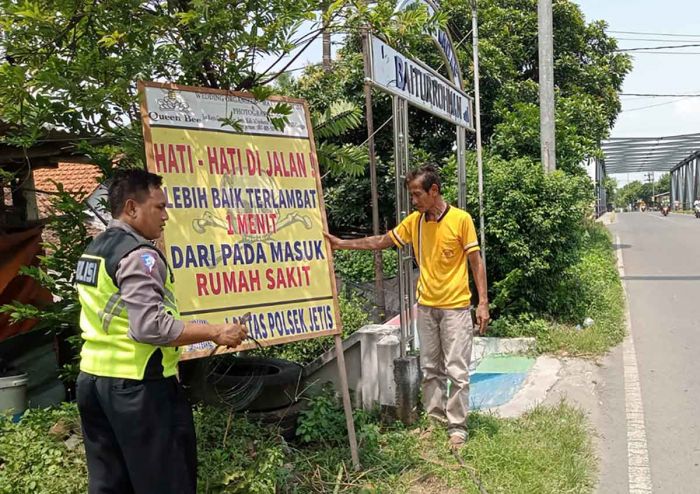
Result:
[441,248]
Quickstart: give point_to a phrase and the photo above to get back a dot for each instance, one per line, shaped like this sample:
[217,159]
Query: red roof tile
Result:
[79,179]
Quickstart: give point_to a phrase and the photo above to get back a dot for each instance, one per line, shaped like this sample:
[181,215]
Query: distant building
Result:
[81,180]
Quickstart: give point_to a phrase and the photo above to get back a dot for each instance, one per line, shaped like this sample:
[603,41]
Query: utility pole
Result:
[477,118]
[546,67]
[650,179]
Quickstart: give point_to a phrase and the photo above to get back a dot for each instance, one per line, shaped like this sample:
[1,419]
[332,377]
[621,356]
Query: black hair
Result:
[428,175]
[134,183]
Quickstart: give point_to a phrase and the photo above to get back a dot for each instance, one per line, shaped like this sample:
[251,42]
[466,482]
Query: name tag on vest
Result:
[86,272]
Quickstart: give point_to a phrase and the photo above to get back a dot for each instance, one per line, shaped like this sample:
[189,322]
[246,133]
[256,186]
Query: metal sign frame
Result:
[409,334]
[419,84]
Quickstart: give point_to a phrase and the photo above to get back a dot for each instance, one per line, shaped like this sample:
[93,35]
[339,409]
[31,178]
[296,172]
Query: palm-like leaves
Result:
[339,159]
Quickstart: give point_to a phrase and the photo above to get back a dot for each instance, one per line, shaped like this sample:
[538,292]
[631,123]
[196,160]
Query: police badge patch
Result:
[149,262]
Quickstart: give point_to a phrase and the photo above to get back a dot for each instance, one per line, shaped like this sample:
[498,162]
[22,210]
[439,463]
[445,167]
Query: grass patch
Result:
[546,451]
[589,288]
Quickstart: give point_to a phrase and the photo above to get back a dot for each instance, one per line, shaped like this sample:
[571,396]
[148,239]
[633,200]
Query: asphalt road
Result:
[662,277]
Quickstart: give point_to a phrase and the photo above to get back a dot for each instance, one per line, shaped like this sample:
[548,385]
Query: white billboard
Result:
[419,85]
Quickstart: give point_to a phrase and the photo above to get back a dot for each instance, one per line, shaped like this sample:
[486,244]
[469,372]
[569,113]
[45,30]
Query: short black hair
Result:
[133,183]
[428,174]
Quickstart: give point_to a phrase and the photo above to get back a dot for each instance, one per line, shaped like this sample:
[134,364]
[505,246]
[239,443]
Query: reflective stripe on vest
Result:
[107,349]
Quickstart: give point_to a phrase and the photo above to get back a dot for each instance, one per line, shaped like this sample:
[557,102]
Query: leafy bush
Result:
[358,265]
[353,316]
[39,454]
[237,456]
[589,288]
[323,422]
[533,233]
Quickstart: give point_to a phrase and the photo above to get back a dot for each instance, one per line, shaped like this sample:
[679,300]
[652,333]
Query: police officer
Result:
[137,425]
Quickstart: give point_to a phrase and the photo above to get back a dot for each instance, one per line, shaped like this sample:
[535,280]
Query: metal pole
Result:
[400,107]
[673,189]
[546,66]
[477,118]
[379,301]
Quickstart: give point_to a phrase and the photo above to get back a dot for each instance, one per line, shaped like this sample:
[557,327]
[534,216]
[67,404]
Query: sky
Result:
[656,73]
[659,73]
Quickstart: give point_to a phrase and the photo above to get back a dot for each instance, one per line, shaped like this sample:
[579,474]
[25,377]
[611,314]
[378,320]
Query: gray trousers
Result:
[445,353]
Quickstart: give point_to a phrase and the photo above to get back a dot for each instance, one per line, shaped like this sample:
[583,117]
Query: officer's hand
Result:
[231,335]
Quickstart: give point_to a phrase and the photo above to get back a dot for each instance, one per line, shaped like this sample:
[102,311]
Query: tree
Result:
[663,185]
[75,65]
[610,186]
[588,74]
[630,194]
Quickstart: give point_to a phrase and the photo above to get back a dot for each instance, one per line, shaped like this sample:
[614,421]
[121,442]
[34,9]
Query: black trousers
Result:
[139,436]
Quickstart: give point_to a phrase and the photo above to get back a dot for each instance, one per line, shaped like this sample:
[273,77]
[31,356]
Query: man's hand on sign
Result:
[231,335]
[333,240]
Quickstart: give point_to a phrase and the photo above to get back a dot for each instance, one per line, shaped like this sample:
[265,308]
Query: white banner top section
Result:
[210,111]
[419,85]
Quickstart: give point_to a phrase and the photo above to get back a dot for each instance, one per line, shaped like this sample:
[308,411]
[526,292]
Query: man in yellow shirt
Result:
[444,241]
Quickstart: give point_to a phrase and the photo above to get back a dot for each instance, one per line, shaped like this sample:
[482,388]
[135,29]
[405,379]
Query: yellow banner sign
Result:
[245,233]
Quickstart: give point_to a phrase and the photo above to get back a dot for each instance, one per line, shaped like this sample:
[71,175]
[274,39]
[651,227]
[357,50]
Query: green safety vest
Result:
[107,349]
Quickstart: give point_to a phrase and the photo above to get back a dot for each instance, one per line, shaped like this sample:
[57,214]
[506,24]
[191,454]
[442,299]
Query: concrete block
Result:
[388,349]
[369,381]
[325,370]
[360,350]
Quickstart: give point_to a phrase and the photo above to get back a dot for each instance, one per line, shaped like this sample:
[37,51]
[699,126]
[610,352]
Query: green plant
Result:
[323,422]
[338,159]
[238,456]
[42,453]
[358,265]
[594,281]
[534,229]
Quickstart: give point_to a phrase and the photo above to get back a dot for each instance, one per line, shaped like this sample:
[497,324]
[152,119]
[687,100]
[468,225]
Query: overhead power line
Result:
[657,34]
[666,52]
[653,106]
[657,40]
[665,47]
[654,95]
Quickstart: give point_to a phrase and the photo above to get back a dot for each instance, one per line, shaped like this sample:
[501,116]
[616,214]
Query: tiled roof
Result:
[79,179]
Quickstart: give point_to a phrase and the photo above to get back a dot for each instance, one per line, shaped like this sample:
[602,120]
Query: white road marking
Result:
[639,473]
